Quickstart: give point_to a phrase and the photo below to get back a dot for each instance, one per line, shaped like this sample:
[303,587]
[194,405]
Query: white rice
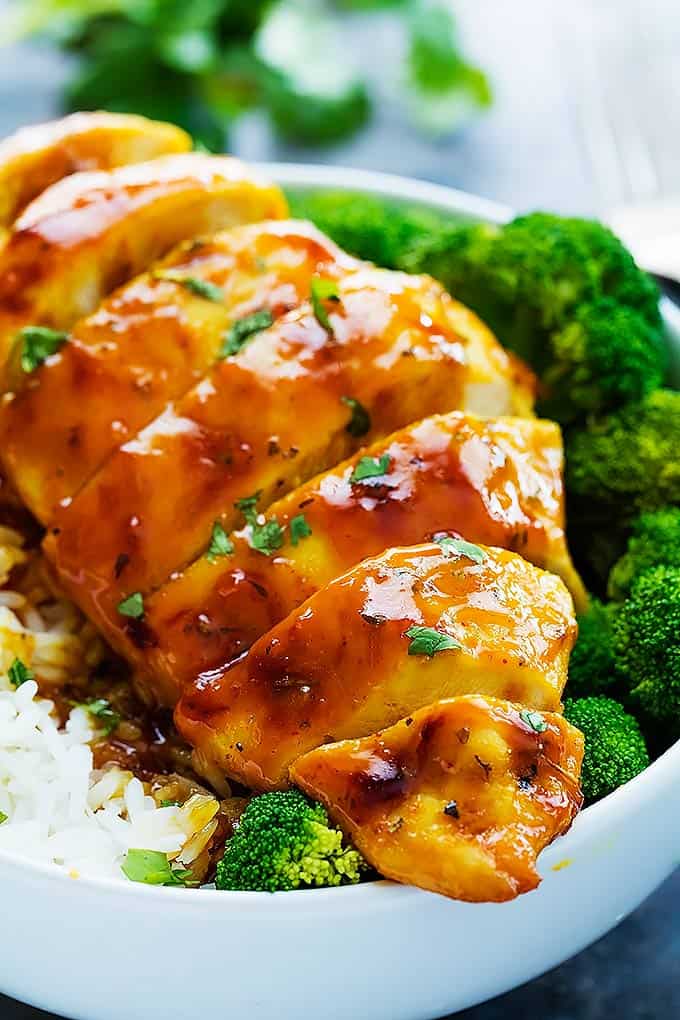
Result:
[54,807]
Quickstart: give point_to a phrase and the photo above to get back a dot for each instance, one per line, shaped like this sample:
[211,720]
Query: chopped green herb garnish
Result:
[267,537]
[152,868]
[169,803]
[248,506]
[370,467]
[220,543]
[428,641]
[323,290]
[18,673]
[360,422]
[240,332]
[3,817]
[533,719]
[103,712]
[202,288]
[299,529]
[459,547]
[37,344]
[132,606]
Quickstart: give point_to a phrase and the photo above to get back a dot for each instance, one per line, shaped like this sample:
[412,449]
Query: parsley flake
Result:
[132,606]
[220,543]
[202,288]
[241,331]
[37,344]
[370,467]
[323,290]
[152,868]
[248,506]
[267,537]
[3,817]
[428,641]
[299,529]
[18,673]
[459,547]
[102,711]
[533,719]
[360,422]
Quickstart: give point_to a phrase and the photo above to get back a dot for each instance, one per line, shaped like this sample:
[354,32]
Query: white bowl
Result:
[102,950]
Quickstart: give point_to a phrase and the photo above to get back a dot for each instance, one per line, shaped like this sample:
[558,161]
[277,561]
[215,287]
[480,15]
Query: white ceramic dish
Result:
[102,950]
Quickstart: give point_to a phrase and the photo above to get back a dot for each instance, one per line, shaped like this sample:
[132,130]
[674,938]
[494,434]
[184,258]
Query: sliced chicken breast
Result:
[458,798]
[495,481]
[149,343]
[91,232]
[394,634]
[41,154]
[265,420]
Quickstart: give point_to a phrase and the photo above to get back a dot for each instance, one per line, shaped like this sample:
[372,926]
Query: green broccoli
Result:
[646,635]
[284,841]
[591,666]
[626,462]
[606,356]
[655,540]
[367,227]
[615,750]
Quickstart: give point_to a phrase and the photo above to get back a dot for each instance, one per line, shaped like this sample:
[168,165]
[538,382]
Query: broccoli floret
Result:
[591,666]
[647,643]
[284,841]
[655,540]
[608,355]
[368,227]
[566,296]
[626,462]
[615,750]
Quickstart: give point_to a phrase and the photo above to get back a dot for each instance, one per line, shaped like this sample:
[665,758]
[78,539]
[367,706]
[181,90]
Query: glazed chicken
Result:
[458,798]
[90,232]
[223,421]
[147,344]
[497,480]
[265,419]
[392,635]
[38,156]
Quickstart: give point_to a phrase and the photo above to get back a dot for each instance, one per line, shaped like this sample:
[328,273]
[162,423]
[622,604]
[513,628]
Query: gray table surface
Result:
[587,116]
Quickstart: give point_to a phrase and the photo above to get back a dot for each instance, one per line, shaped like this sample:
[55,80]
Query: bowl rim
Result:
[591,825]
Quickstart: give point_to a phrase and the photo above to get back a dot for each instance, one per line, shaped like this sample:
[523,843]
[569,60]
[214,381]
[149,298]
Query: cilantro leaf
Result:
[37,344]
[459,547]
[202,288]
[267,537]
[241,331]
[360,422]
[220,543]
[370,467]
[428,641]
[299,529]
[323,290]
[18,673]
[132,606]
[152,868]
[533,719]
[102,711]
[169,803]
[248,506]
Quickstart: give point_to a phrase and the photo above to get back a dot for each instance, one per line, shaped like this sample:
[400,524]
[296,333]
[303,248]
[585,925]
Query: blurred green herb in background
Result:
[201,63]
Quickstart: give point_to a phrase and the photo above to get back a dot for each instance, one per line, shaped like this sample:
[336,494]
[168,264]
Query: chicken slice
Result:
[496,481]
[90,232]
[396,633]
[147,344]
[459,798]
[40,155]
[265,420]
